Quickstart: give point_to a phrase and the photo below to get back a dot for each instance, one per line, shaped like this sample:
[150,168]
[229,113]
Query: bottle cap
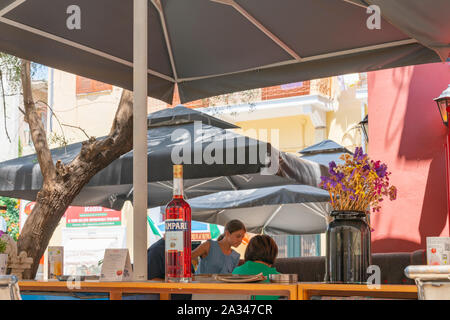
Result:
[178,171]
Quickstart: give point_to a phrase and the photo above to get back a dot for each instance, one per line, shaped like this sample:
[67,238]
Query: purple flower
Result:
[381,170]
[359,155]
[332,166]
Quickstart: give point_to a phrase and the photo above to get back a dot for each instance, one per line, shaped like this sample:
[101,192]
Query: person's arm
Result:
[201,251]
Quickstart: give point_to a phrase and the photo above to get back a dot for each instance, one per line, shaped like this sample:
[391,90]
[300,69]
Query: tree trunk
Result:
[63,182]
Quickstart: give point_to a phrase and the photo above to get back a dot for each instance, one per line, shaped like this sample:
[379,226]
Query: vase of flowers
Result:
[356,188]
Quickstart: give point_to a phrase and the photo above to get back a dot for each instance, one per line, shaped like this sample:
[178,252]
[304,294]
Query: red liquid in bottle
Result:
[178,233]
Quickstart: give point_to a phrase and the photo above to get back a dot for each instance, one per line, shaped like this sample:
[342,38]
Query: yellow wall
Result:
[294,133]
[92,112]
[342,125]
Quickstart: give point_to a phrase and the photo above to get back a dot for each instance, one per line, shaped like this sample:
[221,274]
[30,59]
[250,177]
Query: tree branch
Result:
[120,138]
[75,127]
[4,105]
[37,130]
[56,117]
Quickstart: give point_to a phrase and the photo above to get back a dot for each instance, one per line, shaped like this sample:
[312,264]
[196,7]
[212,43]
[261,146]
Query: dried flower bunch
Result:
[359,184]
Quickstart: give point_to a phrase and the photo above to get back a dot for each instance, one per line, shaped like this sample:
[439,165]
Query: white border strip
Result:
[80,46]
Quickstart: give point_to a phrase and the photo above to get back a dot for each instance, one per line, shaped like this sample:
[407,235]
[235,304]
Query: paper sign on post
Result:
[55,262]
[116,265]
[438,251]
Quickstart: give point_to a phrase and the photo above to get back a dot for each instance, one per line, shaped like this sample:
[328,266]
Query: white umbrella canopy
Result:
[288,209]
[294,218]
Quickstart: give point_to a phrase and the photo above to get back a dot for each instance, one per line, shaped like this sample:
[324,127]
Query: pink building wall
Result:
[407,133]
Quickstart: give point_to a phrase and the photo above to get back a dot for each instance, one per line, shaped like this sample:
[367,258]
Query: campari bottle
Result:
[178,232]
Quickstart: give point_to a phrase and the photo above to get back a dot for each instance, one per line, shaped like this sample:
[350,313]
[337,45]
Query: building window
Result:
[86,85]
[290,246]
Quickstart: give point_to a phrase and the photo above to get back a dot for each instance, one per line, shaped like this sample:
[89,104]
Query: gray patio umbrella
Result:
[214,160]
[324,152]
[287,209]
[181,115]
[210,47]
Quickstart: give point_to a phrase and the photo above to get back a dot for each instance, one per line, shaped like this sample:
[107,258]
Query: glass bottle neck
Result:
[178,188]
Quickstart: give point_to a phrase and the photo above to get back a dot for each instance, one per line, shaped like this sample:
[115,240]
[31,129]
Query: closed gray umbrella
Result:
[181,115]
[324,152]
[235,167]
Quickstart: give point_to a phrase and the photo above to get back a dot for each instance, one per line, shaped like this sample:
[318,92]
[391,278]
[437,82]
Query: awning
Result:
[211,47]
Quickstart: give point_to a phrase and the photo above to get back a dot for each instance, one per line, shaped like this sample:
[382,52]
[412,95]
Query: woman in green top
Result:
[259,258]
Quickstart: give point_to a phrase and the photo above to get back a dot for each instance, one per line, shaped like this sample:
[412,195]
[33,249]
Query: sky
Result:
[39,72]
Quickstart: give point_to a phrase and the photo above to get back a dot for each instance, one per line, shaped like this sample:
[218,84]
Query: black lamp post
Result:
[443,103]
[364,124]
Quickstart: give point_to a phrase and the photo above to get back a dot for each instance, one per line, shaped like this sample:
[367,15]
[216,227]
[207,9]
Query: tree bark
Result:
[63,182]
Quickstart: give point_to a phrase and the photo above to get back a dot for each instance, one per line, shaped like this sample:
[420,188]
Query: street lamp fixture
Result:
[364,124]
[443,103]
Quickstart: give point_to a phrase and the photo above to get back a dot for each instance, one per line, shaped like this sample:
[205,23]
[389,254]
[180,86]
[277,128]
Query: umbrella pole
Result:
[140,27]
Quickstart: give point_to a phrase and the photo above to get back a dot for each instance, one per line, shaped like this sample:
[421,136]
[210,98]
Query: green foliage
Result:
[57,139]
[11,216]
[20,148]
[10,68]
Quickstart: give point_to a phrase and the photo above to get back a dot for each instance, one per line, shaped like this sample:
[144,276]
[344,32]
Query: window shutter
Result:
[86,85]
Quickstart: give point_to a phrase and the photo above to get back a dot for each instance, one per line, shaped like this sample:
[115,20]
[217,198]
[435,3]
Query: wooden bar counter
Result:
[116,289]
[299,291]
[308,289]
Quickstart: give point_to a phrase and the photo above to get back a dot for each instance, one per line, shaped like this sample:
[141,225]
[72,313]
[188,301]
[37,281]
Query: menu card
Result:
[438,251]
[116,265]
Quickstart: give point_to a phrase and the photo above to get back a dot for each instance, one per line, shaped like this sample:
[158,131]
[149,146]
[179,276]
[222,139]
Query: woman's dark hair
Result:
[232,226]
[261,248]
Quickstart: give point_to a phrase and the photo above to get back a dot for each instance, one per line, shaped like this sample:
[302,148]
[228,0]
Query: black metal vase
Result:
[347,248]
